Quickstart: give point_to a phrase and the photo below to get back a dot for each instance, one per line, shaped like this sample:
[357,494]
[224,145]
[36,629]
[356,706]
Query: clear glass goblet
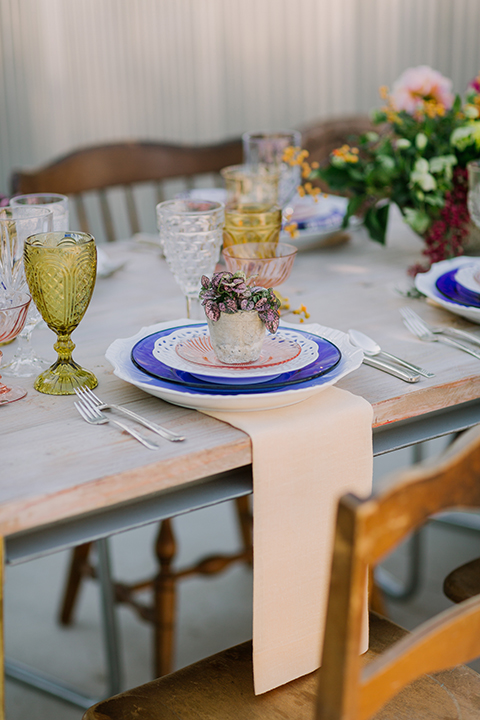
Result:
[191,237]
[13,313]
[267,148]
[25,362]
[61,269]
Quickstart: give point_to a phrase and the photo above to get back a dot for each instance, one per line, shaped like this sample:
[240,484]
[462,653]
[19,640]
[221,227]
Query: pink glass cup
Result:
[13,314]
[269,263]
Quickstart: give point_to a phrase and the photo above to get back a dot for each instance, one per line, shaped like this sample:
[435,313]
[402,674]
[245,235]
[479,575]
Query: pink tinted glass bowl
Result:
[270,263]
[13,314]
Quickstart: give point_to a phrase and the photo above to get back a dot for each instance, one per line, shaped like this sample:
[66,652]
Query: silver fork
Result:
[455,332]
[418,328]
[93,416]
[86,393]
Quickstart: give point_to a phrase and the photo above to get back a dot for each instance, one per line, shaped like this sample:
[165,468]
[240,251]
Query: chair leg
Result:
[78,559]
[164,601]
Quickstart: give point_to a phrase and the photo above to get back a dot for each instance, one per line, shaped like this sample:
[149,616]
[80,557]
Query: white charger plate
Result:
[425,283]
[119,355]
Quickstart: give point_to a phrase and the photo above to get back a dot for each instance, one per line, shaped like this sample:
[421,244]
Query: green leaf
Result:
[376,221]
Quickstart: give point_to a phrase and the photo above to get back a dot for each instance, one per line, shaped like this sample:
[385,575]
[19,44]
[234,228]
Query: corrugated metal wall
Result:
[75,72]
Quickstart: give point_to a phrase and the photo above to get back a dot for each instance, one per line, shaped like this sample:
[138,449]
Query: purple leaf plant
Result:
[232,292]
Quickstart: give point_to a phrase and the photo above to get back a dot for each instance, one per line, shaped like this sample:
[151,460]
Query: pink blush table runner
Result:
[305,457]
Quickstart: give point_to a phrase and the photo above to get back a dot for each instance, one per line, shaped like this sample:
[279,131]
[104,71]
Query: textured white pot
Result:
[237,338]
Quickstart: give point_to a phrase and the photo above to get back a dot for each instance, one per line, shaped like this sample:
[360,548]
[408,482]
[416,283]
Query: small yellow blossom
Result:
[284,301]
[292,230]
[302,310]
[346,153]
[383,92]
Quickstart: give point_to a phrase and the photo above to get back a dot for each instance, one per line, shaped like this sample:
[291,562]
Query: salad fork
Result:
[418,328]
[93,416]
[455,332]
[86,394]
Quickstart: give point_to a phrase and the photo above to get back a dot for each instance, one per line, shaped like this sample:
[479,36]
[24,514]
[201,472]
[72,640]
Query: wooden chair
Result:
[463,582]
[124,166]
[100,169]
[403,676]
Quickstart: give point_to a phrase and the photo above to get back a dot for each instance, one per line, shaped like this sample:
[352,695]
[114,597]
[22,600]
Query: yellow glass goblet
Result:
[61,269]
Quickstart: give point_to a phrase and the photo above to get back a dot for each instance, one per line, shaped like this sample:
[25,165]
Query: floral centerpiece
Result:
[418,159]
[238,313]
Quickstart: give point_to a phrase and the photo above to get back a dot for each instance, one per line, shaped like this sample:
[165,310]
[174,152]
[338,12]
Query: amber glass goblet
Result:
[251,223]
[61,269]
[13,314]
[270,264]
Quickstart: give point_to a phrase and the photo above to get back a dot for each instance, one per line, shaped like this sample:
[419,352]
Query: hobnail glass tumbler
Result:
[61,268]
[267,148]
[191,237]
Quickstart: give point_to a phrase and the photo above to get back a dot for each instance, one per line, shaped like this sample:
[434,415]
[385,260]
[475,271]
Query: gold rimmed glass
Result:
[252,223]
[61,269]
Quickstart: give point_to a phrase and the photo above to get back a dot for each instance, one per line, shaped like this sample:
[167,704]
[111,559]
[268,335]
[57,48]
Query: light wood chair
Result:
[125,166]
[463,582]
[403,676]
[98,169]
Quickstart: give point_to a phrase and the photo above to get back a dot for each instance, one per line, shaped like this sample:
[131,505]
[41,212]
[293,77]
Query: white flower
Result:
[471,112]
[443,163]
[420,175]
[403,143]
[421,141]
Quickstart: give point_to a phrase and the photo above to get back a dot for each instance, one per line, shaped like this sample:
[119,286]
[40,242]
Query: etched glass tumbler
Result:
[267,148]
[25,362]
[61,269]
[191,237]
[55,202]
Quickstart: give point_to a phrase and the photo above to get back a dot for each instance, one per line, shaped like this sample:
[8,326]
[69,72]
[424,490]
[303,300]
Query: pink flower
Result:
[475,84]
[419,85]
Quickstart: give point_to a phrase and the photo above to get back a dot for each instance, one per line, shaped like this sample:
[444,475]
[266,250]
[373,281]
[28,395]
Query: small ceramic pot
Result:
[238,337]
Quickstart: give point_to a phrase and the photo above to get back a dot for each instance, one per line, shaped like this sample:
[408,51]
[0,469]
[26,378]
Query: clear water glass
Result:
[473,197]
[191,238]
[55,202]
[267,148]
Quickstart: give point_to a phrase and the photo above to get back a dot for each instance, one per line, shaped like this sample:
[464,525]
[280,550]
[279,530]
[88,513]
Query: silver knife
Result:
[390,369]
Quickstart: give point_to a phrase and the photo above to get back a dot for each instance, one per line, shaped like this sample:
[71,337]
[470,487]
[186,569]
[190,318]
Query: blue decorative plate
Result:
[142,357]
[448,286]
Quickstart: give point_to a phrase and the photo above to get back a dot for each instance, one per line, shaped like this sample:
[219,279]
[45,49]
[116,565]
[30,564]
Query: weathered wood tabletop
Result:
[53,466]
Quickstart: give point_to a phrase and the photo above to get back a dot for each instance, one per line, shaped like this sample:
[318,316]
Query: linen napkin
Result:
[305,456]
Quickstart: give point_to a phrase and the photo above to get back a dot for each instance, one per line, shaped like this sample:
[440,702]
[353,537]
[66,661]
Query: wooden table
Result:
[64,482]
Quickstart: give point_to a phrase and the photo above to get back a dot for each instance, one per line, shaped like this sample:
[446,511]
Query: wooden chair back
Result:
[366,531]
[123,166]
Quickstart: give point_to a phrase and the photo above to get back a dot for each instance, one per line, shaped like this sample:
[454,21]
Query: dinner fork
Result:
[423,333]
[456,332]
[93,416]
[85,393]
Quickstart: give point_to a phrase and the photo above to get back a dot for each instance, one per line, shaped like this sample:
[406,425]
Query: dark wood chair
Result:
[122,166]
[402,676]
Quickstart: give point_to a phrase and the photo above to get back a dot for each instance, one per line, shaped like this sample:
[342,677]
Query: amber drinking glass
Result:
[13,313]
[61,269]
[251,223]
[247,184]
[269,263]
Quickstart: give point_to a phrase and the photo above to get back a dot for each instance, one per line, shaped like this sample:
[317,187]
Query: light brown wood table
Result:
[63,481]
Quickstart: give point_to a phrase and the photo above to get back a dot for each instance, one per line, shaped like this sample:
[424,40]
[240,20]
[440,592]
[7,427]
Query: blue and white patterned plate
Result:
[119,355]
[326,358]
[426,283]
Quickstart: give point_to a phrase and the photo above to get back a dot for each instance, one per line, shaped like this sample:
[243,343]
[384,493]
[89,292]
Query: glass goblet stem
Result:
[194,308]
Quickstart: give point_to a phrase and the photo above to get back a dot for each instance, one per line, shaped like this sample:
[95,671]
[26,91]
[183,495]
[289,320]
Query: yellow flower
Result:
[291,229]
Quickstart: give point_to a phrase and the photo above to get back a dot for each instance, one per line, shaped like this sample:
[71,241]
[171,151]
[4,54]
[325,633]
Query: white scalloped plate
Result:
[119,355]
[425,283]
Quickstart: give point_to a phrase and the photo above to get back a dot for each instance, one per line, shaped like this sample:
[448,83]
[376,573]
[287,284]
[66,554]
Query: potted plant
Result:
[238,315]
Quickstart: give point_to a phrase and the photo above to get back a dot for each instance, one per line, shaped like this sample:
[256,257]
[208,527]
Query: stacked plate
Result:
[175,361]
[454,284]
